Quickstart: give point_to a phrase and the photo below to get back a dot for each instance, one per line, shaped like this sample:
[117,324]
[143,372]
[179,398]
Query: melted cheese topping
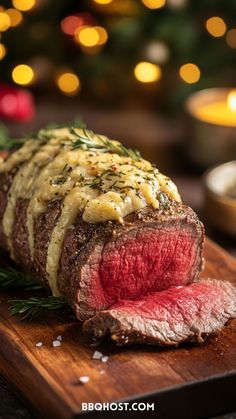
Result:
[20,156]
[24,181]
[97,184]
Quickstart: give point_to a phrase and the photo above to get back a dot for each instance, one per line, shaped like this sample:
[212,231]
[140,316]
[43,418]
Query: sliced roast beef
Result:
[170,317]
[151,251]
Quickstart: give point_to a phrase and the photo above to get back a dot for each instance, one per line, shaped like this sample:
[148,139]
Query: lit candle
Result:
[213,115]
[222,112]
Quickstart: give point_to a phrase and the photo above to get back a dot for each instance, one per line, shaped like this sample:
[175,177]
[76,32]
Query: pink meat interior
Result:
[139,262]
[200,301]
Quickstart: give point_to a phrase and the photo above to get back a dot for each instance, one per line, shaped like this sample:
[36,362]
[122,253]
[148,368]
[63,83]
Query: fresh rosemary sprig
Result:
[7,143]
[45,134]
[31,308]
[11,278]
[90,141]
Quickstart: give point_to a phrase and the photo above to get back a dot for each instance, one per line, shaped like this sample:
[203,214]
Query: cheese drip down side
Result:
[24,180]
[96,178]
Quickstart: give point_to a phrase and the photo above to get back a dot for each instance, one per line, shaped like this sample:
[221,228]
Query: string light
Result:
[15,16]
[103,1]
[231,38]
[146,72]
[5,22]
[23,5]
[68,83]
[216,26]
[154,4]
[88,36]
[23,74]
[190,73]
[2,51]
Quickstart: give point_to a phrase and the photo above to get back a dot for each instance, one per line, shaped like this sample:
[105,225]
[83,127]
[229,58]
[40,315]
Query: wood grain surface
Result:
[188,382]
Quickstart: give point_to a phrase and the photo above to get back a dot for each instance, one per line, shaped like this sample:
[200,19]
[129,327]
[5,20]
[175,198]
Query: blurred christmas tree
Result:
[111,50]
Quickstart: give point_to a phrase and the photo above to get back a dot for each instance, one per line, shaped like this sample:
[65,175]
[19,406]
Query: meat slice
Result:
[170,317]
[151,251]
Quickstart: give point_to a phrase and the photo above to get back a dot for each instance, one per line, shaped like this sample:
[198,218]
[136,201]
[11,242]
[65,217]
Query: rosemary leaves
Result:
[90,141]
[31,308]
[11,278]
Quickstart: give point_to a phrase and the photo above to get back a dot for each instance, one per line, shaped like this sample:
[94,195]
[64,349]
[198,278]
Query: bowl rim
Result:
[228,200]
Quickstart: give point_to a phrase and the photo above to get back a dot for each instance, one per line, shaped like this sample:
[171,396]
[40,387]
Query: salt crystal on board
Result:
[56,343]
[97,355]
[84,379]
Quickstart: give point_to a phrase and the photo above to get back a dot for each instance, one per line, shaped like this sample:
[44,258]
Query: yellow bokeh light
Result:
[102,34]
[23,5]
[15,16]
[68,83]
[5,22]
[87,36]
[22,74]
[216,26]
[190,73]
[2,51]
[103,1]
[231,100]
[146,72]
[154,4]
[231,38]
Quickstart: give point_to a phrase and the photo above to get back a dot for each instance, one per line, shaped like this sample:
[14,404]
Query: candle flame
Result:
[231,100]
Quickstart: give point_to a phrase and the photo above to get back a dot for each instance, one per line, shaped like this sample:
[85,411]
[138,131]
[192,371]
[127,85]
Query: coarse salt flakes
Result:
[59,338]
[104,358]
[97,355]
[56,343]
[84,379]
[39,344]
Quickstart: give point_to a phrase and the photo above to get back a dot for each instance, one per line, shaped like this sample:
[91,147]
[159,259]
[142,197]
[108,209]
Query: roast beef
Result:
[170,317]
[102,262]
[134,266]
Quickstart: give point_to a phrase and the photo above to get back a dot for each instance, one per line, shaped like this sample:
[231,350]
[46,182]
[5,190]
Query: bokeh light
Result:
[157,52]
[154,4]
[23,74]
[3,51]
[23,5]
[103,1]
[190,73]
[15,16]
[146,72]
[87,36]
[231,38]
[216,26]
[5,22]
[102,34]
[70,23]
[68,83]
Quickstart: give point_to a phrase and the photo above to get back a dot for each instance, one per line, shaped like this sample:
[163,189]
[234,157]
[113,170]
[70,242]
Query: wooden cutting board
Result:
[188,382]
